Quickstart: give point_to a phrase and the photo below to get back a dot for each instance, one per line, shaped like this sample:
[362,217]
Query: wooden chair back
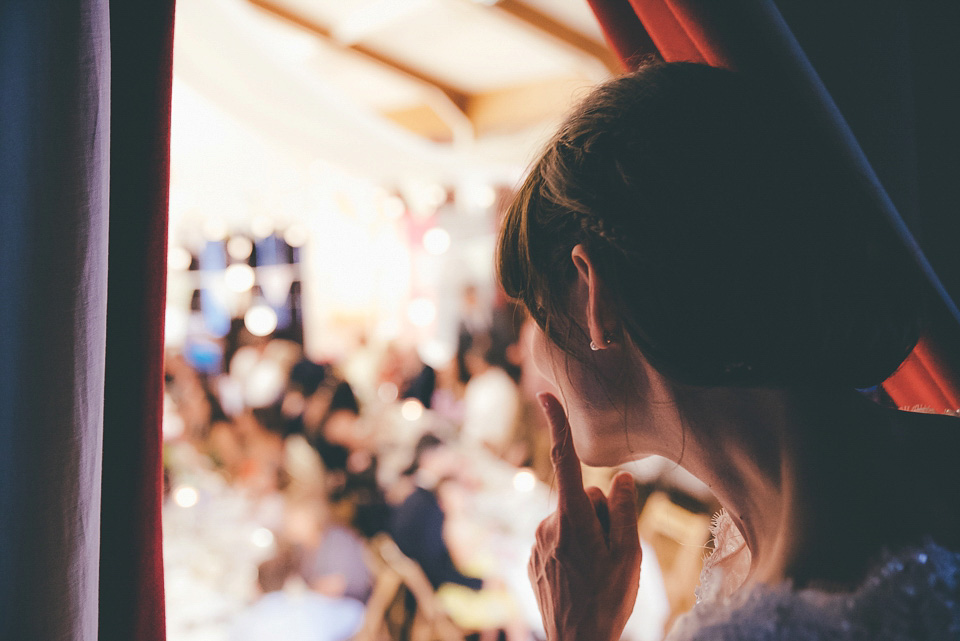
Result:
[679,538]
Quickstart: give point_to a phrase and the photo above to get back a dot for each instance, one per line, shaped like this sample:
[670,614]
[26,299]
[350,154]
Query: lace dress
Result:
[913,595]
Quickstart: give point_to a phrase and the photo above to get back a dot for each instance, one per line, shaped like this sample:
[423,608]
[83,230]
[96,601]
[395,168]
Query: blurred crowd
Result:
[333,461]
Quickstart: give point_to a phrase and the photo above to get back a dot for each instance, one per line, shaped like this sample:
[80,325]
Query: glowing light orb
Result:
[239,277]
[262,537]
[215,229]
[387,392]
[421,312]
[295,236]
[394,207]
[524,481]
[412,409]
[436,241]
[239,247]
[179,259]
[186,496]
[262,226]
[260,320]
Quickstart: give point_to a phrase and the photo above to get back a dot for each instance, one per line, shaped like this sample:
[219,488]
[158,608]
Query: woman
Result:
[711,287]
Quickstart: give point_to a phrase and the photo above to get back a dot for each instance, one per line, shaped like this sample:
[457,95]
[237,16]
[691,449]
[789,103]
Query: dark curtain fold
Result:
[131,561]
[877,73]
[54,180]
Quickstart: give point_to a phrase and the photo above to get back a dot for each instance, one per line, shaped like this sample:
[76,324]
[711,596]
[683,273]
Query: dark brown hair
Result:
[734,242]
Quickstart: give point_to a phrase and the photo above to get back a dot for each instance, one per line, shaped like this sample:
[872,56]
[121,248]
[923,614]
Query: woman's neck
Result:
[766,455]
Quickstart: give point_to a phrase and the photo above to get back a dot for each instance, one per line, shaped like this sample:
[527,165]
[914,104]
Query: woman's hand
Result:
[585,565]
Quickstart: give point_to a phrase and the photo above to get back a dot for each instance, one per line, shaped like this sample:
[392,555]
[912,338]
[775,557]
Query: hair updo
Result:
[735,244]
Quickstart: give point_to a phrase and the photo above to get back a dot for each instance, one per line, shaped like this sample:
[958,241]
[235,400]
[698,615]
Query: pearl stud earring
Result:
[607,340]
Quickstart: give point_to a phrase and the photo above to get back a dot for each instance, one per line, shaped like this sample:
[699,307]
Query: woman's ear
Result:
[601,321]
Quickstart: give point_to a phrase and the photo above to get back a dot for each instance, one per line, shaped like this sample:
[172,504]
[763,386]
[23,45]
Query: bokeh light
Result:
[186,496]
[436,241]
[239,247]
[421,312]
[295,235]
[412,409]
[260,320]
[239,277]
[262,537]
[524,481]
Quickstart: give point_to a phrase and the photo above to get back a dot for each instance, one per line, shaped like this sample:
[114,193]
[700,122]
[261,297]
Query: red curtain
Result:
[131,561]
[864,66]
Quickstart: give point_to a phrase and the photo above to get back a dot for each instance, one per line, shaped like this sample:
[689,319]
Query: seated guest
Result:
[294,615]
[329,421]
[491,400]
[417,527]
[330,556]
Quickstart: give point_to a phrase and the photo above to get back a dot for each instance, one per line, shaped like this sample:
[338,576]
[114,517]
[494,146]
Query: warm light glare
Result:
[387,392]
[477,195]
[260,320]
[179,259]
[436,353]
[262,226]
[524,481]
[215,230]
[412,409]
[435,195]
[394,207]
[239,247]
[173,426]
[295,236]
[176,325]
[262,537]
[436,241]
[239,277]
[421,312]
[485,196]
[186,496]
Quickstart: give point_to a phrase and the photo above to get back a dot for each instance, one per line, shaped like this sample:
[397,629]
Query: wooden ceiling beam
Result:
[543,23]
[458,98]
[516,108]
[421,120]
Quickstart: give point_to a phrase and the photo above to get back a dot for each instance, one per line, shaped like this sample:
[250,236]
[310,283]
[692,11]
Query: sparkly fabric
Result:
[913,595]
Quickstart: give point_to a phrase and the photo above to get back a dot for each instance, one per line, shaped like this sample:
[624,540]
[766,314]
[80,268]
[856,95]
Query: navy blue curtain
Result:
[54,181]
[84,134]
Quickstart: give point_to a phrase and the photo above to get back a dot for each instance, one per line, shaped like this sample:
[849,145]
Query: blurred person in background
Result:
[417,526]
[329,419]
[286,612]
[447,399]
[330,556]
[491,400]
[402,367]
[475,319]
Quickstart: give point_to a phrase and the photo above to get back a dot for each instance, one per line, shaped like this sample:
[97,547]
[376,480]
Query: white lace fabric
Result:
[913,595]
[726,568]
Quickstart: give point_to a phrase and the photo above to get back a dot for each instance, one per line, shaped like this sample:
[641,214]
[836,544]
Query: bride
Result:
[711,286]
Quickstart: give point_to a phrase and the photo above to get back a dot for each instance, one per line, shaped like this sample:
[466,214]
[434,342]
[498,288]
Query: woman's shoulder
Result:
[913,594]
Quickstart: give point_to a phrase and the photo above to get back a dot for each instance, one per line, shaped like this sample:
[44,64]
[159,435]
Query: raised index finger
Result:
[572,497]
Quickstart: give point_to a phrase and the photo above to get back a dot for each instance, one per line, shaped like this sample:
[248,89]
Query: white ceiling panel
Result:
[472,48]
